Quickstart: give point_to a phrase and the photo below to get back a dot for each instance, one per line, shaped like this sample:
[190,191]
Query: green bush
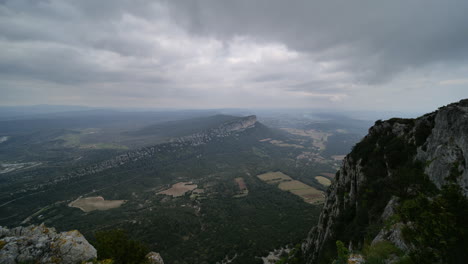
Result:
[439,226]
[379,252]
[342,253]
[115,245]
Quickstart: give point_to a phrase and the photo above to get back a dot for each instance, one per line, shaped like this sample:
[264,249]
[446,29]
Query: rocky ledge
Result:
[437,141]
[39,244]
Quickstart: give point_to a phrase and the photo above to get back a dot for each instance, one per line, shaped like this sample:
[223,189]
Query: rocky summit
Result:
[402,173]
[40,244]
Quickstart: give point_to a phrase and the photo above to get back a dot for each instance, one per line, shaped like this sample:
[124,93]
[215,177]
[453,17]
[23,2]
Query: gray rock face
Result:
[154,258]
[392,233]
[39,244]
[447,146]
[349,178]
[444,150]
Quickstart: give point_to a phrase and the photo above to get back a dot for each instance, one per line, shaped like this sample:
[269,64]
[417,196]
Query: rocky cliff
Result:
[222,130]
[402,173]
[39,244]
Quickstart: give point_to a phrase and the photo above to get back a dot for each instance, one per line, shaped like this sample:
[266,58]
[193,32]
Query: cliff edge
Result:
[402,173]
[39,244]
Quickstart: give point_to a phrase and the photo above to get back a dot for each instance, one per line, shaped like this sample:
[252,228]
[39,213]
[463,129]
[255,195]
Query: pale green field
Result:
[277,176]
[179,189]
[286,183]
[95,203]
[322,180]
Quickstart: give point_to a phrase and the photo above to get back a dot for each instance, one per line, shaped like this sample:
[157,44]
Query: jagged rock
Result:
[154,258]
[441,141]
[390,208]
[393,233]
[448,145]
[39,244]
[356,259]
[349,178]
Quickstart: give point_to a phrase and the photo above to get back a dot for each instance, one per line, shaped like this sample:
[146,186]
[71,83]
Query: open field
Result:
[179,189]
[322,180]
[292,185]
[3,139]
[95,203]
[241,183]
[308,193]
[286,183]
[274,177]
[280,143]
[243,190]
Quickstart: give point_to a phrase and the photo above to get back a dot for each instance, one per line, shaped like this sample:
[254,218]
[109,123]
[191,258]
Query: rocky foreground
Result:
[40,244]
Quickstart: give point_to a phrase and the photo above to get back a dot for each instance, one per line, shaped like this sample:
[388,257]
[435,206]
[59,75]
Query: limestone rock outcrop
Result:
[440,142]
[225,129]
[154,258]
[40,244]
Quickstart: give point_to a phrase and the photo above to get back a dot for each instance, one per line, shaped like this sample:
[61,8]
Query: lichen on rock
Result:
[40,244]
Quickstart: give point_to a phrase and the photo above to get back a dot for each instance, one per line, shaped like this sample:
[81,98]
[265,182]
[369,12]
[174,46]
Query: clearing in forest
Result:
[243,190]
[179,189]
[274,177]
[89,204]
[241,183]
[322,180]
[286,183]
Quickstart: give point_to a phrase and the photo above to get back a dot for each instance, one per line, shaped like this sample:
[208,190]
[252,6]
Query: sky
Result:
[350,55]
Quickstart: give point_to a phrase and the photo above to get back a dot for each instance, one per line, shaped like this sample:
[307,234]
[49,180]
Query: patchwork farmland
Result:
[286,183]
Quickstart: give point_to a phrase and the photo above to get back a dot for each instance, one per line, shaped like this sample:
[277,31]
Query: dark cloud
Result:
[379,38]
[214,53]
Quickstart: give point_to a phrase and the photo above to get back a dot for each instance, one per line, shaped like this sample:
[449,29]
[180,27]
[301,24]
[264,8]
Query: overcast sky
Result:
[359,55]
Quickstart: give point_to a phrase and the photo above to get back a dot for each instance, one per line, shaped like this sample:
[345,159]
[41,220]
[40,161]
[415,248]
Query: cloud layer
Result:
[209,54]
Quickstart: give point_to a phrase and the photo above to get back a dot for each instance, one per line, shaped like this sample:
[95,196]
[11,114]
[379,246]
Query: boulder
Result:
[154,258]
[39,244]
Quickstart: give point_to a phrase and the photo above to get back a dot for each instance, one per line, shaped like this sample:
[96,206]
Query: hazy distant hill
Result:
[183,127]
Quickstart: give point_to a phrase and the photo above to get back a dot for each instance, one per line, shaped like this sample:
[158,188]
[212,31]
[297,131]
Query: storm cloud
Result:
[393,55]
